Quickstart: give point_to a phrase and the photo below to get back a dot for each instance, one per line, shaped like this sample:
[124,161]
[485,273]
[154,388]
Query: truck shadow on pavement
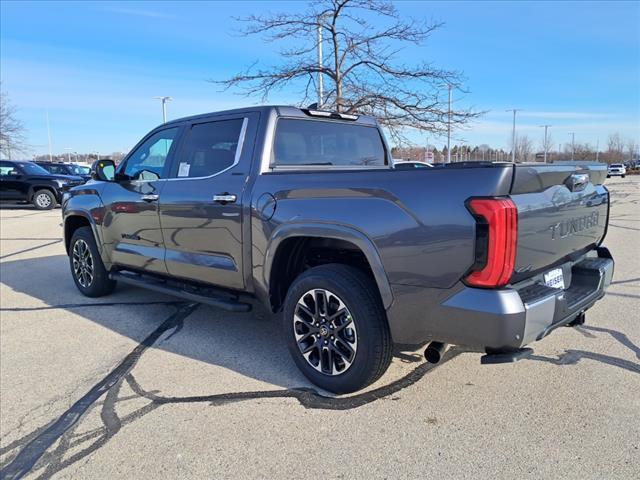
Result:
[64,441]
[31,452]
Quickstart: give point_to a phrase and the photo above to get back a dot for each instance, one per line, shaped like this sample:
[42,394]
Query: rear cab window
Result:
[302,143]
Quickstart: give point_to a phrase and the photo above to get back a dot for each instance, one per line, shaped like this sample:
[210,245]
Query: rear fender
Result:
[337,232]
[34,188]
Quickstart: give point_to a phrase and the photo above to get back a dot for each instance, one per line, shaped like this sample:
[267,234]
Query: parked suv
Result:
[28,182]
[616,169]
[304,211]
[58,168]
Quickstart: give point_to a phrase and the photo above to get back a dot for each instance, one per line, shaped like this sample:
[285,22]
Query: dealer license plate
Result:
[554,279]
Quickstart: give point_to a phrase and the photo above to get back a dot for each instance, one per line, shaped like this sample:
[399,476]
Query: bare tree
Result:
[584,151]
[12,131]
[615,147]
[524,148]
[361,73]
[632,148]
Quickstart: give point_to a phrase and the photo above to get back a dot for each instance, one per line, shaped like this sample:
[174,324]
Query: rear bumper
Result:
[508,318]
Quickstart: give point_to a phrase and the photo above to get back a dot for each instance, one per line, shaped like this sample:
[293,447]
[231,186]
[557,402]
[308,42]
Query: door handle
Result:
[225,198]
[149,198]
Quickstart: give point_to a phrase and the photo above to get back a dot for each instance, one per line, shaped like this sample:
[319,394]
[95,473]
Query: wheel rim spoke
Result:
[82,262]
[325,332]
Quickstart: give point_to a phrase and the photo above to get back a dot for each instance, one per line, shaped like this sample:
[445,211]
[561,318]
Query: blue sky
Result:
[96,66]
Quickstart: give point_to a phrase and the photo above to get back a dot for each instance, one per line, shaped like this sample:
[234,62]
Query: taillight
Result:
[497,237]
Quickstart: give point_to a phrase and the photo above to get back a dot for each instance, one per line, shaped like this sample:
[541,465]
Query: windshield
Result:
[80,170]
[33,169]
[616,165]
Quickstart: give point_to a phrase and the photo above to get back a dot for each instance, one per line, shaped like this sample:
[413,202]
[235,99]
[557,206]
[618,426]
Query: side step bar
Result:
[225,302]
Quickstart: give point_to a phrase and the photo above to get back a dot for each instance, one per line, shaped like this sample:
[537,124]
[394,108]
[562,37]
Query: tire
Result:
[608,176]
[87,269]
[44,200]
[623,176]
[357,352]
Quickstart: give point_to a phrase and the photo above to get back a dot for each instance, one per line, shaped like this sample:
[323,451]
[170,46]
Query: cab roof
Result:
[283,111]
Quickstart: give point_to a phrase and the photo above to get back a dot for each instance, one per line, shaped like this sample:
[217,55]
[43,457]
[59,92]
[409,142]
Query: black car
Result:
[28,182]
[58,168]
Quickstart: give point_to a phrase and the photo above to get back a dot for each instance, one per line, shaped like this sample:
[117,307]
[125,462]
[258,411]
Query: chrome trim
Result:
[227,197]
[267,148]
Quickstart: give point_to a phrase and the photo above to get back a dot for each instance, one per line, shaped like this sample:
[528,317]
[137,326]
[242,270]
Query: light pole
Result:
[49,135]
[449,128]
[597,148]
[320,62]
[164,101]
[546,142]
[513,134]
[573,144]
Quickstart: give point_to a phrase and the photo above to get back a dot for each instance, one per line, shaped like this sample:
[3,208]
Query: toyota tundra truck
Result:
[303,211]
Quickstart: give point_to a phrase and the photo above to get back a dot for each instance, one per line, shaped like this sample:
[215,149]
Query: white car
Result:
[409,164]
[616,169]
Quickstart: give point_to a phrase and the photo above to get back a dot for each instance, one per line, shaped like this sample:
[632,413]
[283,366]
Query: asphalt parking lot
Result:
[142,385]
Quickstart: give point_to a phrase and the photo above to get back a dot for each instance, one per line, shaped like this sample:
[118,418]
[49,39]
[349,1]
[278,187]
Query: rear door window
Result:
[8,169]
[56,169]
[210,148]
[330,144]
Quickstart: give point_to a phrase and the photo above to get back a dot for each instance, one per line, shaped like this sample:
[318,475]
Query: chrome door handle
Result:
[149,198]
[225,198]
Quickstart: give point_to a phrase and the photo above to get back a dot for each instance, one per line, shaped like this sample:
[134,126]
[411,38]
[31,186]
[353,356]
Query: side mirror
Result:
[104,170]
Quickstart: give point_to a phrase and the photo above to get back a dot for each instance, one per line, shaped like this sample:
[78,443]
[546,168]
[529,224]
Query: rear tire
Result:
[44,200]
[87,269]
[345,351]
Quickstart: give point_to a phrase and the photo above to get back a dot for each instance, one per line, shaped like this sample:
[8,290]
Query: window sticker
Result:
[183,169]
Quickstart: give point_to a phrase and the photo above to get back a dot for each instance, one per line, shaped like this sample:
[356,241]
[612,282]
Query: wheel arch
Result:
[34,188]
[74,220]
[290,242]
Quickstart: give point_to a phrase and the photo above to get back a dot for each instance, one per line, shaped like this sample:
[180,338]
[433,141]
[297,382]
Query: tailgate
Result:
[562,212]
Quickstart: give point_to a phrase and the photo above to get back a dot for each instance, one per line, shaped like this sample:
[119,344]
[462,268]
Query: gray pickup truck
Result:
[302,210]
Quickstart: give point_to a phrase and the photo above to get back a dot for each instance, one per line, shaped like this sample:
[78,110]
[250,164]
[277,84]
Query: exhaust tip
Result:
[434,352]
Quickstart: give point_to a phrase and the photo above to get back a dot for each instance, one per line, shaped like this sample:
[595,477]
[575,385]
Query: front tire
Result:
[87,269]
[336,328]
[44,200]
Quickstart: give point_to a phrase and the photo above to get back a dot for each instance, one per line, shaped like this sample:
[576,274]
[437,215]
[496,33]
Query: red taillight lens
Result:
[501,217]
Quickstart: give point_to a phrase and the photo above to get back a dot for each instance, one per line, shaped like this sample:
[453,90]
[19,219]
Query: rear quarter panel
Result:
[417,220]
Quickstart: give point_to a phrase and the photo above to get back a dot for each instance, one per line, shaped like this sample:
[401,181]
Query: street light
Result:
[449,128]
[513,134]
[69,150]
[573,144]
[164,101]
[546,142]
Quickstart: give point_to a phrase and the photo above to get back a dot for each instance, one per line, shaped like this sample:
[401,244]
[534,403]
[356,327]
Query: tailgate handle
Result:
[577,182]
